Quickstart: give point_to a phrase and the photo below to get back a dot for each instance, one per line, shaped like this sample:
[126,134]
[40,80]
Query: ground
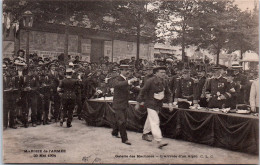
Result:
[86,144]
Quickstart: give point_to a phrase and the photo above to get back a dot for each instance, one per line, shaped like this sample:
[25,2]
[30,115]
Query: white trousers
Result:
[152,124]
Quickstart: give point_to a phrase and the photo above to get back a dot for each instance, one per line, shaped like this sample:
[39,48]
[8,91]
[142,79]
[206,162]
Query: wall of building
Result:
[49,42]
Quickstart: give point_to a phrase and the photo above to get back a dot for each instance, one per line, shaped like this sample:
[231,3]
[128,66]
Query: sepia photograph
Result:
[130,81]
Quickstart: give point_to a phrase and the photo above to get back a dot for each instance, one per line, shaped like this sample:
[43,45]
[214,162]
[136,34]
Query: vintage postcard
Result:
[130,82]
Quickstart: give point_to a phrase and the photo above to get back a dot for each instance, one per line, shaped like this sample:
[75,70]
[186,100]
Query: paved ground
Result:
[85,144]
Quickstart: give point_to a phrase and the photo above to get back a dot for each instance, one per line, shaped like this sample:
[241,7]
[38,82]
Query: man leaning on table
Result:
[254,96]
[152,94]
[122,87]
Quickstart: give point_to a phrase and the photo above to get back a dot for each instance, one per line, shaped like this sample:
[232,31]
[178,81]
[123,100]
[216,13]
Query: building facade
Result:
[48,40]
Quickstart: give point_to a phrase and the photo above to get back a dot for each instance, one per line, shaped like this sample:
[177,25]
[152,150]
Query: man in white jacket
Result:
[254,96]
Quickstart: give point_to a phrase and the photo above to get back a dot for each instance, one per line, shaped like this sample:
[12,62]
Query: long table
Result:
[238,132]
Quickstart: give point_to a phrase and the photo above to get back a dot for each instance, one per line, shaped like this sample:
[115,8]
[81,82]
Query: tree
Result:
[214,25]
[133,17]
[175,18]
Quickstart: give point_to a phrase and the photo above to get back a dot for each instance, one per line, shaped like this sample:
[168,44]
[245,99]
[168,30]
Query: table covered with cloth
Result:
[238,132]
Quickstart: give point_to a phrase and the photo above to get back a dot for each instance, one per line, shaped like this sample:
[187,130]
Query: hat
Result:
[156,68]
[216,68]
[4,66]
[124,66]
[52,64]
[71,64]
[236,66]
[40,62]
[69,70]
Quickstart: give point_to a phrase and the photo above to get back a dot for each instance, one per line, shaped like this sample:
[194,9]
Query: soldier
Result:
[242,83]
[44,102]
[54,83]
[9,98]
[78,75]
[21,93]
[218,90]
[68,88]
[186,91]
[32,86]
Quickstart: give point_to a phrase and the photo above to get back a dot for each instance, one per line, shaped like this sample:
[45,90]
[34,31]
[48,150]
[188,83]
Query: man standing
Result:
[120,102]
[254,96]
[152,94]
[68,87]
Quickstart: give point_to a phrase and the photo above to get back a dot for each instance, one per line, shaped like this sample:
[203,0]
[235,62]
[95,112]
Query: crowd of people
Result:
[52,89]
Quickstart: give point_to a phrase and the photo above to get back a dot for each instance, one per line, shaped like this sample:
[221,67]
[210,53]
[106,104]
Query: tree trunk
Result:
[66,43]
[183,43]
[218,52]
[138,43]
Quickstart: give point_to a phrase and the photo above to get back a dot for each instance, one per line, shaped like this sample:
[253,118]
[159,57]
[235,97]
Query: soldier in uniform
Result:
[242,83]
[9,98]
[218,90]
[186,91]
[32,86]
[21,93]
[54,83]
[152,94]
[68,88]
[44,101]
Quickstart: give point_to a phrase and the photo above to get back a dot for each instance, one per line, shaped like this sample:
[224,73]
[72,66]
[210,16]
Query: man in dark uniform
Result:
[32,85]
[186,91]
[44,101]
[22,94]
[120,102]
[9,98]
[152,94]
[218,89]
[242,83]
[68,88]
[54,83]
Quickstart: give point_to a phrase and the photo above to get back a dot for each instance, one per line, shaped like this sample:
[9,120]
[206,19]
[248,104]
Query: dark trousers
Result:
[9,102]
[33,103]
[79,103]
[120,124]
[68,107]
[56,105]
[43,108]
[23,102]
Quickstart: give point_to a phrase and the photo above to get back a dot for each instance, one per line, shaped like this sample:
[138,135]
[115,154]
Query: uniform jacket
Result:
[220,85]
[153,86]
[187,89]
[68,86]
